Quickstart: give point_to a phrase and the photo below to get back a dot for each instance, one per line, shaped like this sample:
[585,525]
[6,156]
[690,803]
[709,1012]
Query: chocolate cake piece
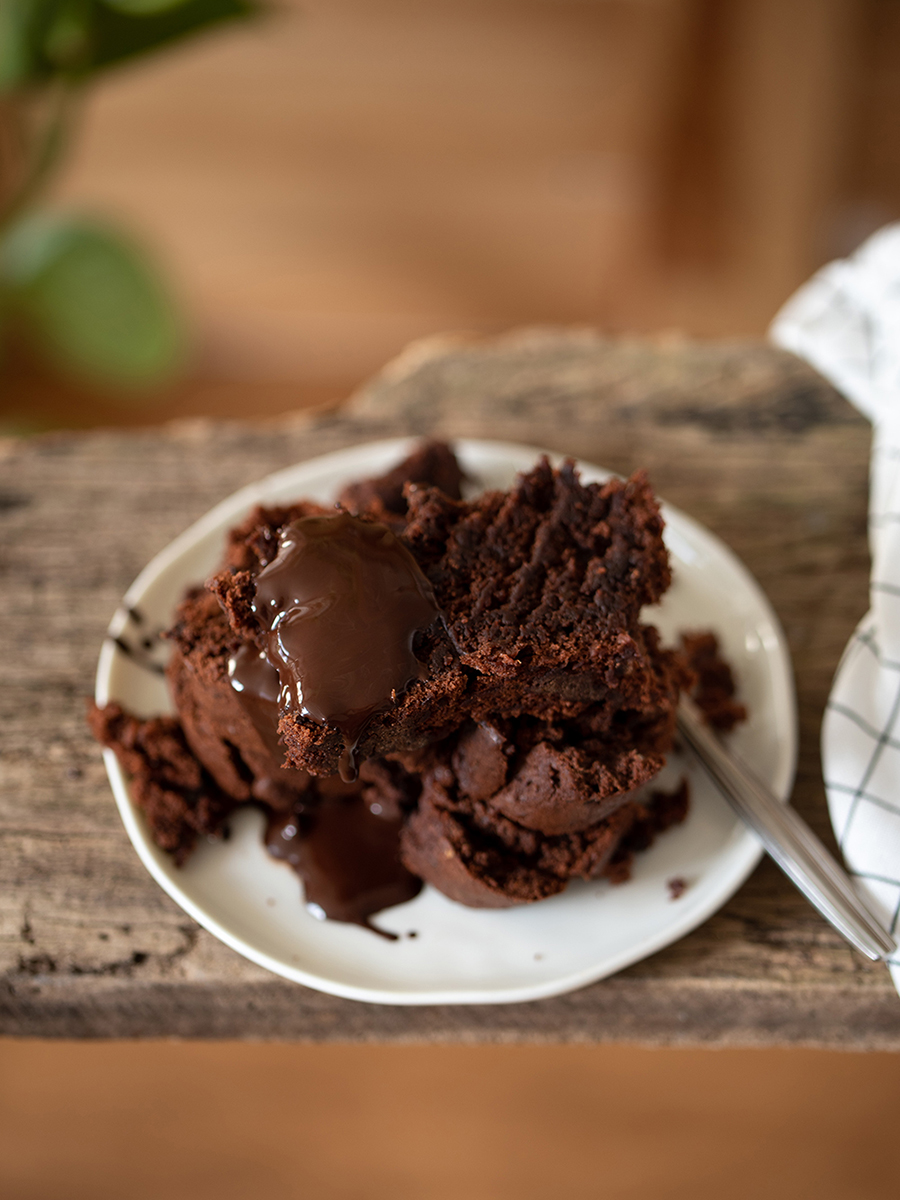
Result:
[231,725]
[549,576]
[432,464]
[556,779]
[233,733]
[482,859]
[540,590]
[179,799]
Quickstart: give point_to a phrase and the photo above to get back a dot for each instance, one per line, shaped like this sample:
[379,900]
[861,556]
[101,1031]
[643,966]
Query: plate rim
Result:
[747,849]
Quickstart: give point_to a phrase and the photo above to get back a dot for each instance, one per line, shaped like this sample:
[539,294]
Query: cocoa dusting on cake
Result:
[511,740]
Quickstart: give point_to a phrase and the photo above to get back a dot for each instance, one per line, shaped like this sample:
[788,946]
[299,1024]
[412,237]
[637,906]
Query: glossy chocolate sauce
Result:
[256,683]
[348,858]
[340,606]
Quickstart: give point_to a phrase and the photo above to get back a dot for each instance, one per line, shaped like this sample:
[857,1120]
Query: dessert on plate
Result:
[415,687]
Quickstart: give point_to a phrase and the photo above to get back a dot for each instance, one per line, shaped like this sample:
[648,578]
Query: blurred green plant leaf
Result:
[119,34]
[66,39]
[40,39]
[17,37]
[141,8]
[90,301]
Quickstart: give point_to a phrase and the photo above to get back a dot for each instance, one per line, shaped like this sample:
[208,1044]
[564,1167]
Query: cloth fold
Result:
[846,322]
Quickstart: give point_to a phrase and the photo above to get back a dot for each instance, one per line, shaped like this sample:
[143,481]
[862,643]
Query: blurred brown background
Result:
[341,176]
[324,185]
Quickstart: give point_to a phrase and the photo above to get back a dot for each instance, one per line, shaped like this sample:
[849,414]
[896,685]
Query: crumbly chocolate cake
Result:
[539,591]
[553,778]
[432,464]
[484,663]
[510,812]
[714,690]
[179,797]
[478,857]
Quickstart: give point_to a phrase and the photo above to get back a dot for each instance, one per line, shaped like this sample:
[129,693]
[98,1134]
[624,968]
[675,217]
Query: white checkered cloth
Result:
[846,322]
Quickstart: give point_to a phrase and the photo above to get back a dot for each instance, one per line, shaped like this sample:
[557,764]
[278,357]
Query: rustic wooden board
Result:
[743,437]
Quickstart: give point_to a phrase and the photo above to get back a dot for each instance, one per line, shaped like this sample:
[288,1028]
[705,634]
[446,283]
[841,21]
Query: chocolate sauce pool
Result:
[340,606]
[347,857]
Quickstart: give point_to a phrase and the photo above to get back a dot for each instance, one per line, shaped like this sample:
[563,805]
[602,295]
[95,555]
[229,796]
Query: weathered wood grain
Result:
[743,437]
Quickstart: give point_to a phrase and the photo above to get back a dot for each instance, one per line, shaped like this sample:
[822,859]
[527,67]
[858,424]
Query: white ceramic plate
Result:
[462,955]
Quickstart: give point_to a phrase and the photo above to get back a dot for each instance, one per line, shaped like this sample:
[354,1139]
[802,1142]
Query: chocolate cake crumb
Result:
[677,887]
[661,811]
[714,690]
[432,464]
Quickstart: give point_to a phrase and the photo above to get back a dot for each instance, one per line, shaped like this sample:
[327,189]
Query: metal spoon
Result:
[787,838]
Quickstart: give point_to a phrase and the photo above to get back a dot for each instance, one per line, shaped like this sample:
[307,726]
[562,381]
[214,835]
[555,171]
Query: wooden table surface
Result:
[743,437]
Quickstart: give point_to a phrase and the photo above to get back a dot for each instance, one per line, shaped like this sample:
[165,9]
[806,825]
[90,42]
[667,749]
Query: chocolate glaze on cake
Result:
[339,607]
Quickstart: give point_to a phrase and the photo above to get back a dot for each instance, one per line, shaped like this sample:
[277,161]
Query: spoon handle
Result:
[787,838]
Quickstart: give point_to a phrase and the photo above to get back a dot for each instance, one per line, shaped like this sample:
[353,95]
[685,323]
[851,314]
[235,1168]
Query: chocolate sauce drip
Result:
[348,859]
[340,606]
[256,683]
